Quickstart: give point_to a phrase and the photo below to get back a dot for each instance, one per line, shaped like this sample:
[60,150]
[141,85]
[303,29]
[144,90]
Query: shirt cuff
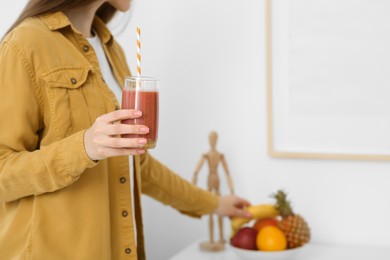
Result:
[74,155]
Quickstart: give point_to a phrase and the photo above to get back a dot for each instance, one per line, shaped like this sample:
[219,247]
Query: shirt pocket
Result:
[65,88]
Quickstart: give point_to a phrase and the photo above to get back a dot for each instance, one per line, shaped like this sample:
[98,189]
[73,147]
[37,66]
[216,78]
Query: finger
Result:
[242,213]
[242,202]
[119,129]
[118,115]
[110,152]
[118,142]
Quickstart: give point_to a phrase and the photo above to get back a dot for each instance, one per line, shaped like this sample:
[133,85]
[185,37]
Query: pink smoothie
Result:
[148,104]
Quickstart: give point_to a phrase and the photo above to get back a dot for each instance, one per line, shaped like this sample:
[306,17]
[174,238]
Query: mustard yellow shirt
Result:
[56,203]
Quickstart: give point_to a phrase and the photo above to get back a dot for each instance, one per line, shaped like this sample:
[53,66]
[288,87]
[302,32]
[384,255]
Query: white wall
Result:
[209,56]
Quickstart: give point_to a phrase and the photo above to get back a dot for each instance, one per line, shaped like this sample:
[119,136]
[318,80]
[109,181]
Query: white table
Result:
[310,252]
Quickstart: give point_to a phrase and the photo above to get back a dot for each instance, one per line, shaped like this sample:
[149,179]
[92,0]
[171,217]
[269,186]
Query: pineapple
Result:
[294,227]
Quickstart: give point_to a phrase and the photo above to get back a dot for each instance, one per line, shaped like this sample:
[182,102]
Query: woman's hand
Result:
[232,206]
[103,139]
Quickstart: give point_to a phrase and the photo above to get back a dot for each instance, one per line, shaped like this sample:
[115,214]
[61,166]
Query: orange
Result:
[271,238]
[263,222]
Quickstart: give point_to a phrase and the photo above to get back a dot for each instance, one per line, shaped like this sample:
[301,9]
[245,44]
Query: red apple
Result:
[245,238]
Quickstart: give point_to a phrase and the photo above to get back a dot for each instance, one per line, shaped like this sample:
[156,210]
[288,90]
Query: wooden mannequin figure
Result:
[213,157]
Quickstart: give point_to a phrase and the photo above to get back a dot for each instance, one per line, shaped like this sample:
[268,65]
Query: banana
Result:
[257,211]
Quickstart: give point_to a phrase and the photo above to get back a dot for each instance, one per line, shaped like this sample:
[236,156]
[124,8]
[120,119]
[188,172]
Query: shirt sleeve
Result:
[26,167]
[162,184]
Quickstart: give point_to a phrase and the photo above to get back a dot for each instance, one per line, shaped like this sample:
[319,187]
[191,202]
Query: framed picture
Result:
[328,79]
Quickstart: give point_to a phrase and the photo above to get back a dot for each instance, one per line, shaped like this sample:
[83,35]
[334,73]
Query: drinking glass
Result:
[142,93]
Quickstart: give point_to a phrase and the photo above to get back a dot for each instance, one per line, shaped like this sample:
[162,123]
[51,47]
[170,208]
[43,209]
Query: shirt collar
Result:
[102,30]
[58,20]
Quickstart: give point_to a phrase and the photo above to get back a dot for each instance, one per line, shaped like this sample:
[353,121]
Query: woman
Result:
[67,189]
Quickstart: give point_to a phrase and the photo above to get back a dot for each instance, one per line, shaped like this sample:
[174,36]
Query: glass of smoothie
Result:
[141,93]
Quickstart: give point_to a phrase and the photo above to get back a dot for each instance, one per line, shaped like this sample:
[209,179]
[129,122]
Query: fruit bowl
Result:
[245,254]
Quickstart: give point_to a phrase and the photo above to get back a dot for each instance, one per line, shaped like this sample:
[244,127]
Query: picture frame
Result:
[326,79]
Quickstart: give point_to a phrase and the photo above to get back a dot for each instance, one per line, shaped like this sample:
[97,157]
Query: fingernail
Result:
[248,215]
[140,151]
[142,141]
[144,129]
[137,113]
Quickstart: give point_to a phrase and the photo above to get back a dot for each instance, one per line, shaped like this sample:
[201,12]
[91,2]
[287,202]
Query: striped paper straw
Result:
[138,52]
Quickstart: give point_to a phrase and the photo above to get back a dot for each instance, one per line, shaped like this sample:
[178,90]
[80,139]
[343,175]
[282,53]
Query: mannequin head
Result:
[213,137]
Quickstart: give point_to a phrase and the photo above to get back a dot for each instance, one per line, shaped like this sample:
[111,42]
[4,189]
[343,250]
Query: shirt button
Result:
[125,213]
[122,179]
[85,48]
[128,251]
[73,81]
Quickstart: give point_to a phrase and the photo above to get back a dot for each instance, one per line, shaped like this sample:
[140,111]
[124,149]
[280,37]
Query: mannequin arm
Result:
[229,179]
[197,169]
